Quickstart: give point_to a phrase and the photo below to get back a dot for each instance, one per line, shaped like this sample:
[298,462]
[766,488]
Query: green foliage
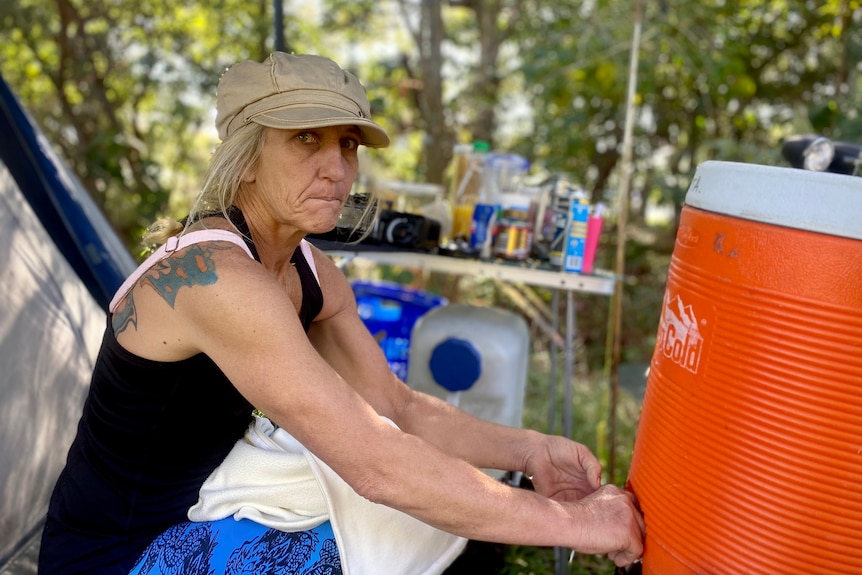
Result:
[117,86]
[708,71]
[125,89]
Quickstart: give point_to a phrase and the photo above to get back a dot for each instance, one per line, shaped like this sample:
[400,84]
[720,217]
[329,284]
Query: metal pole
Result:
[569,368]
[560,559]
[553,350]
[278,26]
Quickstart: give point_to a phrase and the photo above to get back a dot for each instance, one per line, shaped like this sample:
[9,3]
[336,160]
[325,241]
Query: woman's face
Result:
[303,177]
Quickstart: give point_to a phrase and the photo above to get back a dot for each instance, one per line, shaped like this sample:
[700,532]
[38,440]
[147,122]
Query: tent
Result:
[60,263]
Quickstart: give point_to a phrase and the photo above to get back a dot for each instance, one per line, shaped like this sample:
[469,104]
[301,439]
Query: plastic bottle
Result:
[459,168]
[503,174]
[469,161]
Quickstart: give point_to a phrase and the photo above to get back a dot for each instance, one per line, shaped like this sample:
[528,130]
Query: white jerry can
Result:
[473,357]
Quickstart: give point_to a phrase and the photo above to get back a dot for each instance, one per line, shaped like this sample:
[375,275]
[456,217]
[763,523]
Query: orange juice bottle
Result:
[466,185]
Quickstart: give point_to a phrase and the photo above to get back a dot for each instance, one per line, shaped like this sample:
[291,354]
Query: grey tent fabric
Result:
[60,262]
[50,330]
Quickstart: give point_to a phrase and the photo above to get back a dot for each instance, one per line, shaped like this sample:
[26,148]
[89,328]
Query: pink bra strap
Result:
[309,257]
[173,244]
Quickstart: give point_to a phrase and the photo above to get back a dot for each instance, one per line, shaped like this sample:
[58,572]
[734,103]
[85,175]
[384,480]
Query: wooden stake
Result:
[622,221]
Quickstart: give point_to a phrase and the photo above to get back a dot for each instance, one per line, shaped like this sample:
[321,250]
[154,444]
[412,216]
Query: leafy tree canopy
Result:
[126,89]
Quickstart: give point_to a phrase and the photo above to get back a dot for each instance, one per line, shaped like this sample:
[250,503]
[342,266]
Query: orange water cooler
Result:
[748,455]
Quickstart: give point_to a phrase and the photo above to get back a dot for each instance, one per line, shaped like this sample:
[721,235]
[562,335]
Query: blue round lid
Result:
[455,364]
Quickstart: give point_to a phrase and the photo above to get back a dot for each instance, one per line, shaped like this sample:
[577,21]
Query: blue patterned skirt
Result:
[231,547]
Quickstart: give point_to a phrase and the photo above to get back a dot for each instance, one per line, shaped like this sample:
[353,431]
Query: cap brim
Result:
[372,134]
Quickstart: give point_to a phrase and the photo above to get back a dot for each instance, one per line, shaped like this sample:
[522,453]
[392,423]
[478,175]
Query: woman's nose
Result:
[333,164]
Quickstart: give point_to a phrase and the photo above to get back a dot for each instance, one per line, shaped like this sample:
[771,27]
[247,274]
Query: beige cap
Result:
[293,91]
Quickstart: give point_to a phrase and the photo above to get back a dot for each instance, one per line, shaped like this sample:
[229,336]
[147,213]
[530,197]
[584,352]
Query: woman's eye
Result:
[305,137]
[349,143]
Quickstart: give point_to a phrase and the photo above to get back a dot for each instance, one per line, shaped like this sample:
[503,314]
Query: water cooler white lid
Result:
[800,199]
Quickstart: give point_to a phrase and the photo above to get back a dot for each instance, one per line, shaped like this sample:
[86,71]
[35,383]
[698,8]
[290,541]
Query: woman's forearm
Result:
[482,443]
[405,472]
[451,494]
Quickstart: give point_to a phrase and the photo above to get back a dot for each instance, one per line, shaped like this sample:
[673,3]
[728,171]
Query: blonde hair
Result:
[231,161]
[235,157]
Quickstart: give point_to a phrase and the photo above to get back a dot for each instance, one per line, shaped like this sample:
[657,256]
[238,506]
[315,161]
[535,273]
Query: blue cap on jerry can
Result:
[455,364]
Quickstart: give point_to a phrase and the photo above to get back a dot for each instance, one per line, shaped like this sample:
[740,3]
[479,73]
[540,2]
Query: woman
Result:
[238,311]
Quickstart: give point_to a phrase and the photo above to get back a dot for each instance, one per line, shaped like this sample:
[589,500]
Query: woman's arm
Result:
[560,468]
[242,318]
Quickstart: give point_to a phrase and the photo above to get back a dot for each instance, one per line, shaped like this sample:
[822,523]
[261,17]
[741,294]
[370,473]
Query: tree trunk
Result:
[487,82]
[437,147]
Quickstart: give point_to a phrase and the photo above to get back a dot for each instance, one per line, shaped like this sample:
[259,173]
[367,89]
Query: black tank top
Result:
[312,297]
[150,434]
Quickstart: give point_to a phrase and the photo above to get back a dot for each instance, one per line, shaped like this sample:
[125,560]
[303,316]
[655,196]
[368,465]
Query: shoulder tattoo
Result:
[194,266]
[125,316]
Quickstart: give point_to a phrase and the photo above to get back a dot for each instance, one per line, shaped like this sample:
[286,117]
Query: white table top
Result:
[599,282]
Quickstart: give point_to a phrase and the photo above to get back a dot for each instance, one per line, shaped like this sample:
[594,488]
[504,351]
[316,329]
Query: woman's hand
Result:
[610,524]
[608,518]
[563,470]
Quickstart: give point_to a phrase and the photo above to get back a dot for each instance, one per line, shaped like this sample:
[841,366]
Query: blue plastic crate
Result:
[389,311]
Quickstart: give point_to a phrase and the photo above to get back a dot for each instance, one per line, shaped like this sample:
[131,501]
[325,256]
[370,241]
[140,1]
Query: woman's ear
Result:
[248,176]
